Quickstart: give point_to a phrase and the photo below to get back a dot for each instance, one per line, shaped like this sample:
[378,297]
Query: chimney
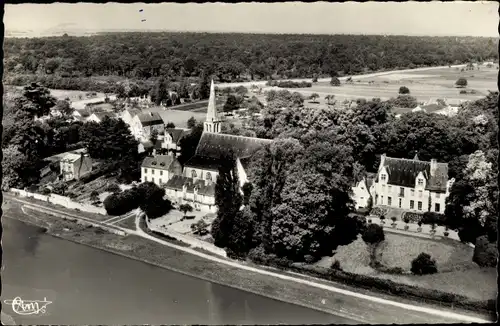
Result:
[433,167]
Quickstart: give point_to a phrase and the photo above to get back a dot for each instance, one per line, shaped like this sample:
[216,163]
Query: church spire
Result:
[212,123]
[212,110]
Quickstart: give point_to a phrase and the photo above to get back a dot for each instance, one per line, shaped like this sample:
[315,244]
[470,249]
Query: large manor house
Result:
[406,184]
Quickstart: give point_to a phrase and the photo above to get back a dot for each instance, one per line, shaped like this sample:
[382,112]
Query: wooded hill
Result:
[234,57]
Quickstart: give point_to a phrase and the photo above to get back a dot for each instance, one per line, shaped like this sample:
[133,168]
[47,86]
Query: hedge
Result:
[371,283]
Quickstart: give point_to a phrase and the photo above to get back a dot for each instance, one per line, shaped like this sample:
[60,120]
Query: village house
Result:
[160,169]
[99,116]
[199,193]
[411,184]
[129,114]
[172,138]
[361,191]
[74,166]
[143,124]
[81,114]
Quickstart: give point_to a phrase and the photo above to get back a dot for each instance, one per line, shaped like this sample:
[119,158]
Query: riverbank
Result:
[136,247]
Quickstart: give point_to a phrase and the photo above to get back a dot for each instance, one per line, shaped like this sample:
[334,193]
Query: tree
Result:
[373,236]
[461,82]
[17,170]
[159,93]
[191,123]
[36,101]
[314,96]
[154,136]
[335,81]
[170,125]
[228,200]
[404,101]
[190,141]
[485,252]
[60,188]
[94,196]
[204,86]
[247,191]
[231,104]
[152,201]
[64,107]
[330,99]
[200,228]
[185,208]
[423,265]
[404,90]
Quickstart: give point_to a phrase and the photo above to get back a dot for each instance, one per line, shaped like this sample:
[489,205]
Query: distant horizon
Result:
[447,19]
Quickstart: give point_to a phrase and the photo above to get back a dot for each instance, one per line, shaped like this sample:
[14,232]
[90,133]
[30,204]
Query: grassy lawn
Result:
[424,85]
[129,223]
[74,96]
[457,273]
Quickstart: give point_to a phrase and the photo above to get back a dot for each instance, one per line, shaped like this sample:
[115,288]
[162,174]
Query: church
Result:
[196,183]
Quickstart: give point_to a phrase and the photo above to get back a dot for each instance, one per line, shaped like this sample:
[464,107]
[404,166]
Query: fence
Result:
[193,242]
[61,200]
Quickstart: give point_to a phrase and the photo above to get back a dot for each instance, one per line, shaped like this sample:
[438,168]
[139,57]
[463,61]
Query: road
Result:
[350,302]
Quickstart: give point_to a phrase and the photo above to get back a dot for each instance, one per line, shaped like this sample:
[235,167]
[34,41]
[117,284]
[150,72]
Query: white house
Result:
[74,166]
[411,184]
[198,193]
[99,116]
[129,114]
[172,137]
[361,191]
[160,169]
[143,124]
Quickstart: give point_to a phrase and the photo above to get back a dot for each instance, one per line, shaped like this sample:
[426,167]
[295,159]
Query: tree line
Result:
[234,57]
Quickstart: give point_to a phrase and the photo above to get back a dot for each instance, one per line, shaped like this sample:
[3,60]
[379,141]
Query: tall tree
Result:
[204,86]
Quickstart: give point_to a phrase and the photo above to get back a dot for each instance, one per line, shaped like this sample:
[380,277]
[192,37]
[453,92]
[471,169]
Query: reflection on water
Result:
[90,286]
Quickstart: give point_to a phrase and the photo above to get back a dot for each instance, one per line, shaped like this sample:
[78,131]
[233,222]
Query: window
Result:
[438,195]
[419,205]
[412,204]
[209,176]
[420,182]
[376,199]
[382,177]
[361,197]
[193,174]
[145,171]
[145,178]
[420,193]
[437,207]
[401,192]
[389,201]
[161,172]
[400,202]
[412,192]
[153,180]
[382,200]
[152,172]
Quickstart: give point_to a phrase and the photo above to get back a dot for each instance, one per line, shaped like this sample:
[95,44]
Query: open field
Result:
[180,118]
[424,85]
[453,259]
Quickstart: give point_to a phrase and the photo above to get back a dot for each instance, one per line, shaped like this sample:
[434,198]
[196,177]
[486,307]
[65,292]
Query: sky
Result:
[406,18]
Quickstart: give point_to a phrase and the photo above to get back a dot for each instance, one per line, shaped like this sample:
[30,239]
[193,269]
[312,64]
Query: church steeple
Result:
[212,123]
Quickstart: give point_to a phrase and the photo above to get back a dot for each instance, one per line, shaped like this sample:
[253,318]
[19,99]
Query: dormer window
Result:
[420,182]
[383,177]
[193,174]
[209,176]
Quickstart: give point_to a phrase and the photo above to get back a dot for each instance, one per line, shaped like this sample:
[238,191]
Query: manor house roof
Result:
[403,172]
[177,182]
[162,162]
[150,118]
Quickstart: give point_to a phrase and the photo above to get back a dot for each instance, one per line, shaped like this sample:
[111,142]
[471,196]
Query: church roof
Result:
[203,162]
[403,172]
[214,145]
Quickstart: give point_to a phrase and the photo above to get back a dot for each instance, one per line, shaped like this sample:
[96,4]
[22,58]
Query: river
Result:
[90,286]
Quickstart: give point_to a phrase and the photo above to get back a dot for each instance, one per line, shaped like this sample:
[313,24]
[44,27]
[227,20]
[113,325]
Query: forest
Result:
[229,57]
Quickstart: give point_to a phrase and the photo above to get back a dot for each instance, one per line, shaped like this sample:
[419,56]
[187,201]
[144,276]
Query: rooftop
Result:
[150,118]
[162,162]
[214,145]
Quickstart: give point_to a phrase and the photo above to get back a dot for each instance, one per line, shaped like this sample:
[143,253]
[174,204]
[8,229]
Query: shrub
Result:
[369,220]
[336,265]
[309,259]
[394,219]
[315,79]
[461,82]
[446,233]
[200,228]
[419,223]
[373,236]
[335,81]
[45,191]
[485,252]
[423,265]
[412,217]
[404,90]
[433,218]
[113,188]
[462,91]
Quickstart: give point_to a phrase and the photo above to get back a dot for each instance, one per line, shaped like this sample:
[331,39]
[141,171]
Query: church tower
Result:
[212,123]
